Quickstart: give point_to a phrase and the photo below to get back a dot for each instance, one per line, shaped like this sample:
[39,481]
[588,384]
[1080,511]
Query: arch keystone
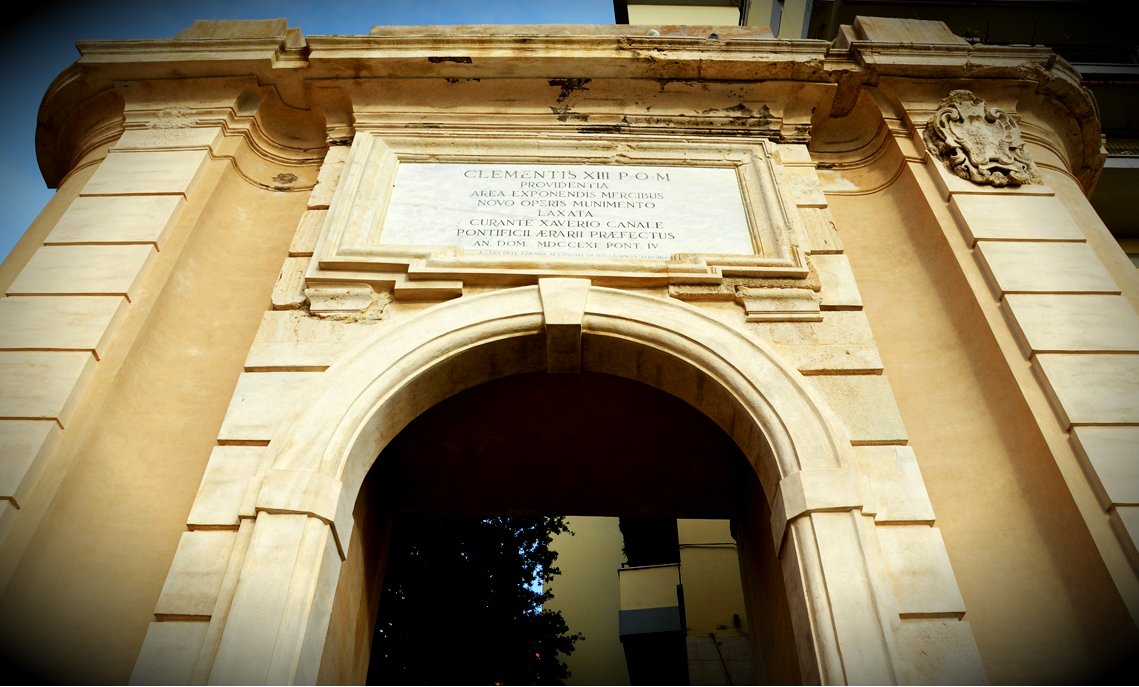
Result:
[563,306]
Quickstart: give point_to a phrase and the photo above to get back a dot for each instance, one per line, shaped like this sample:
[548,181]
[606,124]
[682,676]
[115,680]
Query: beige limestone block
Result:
[1072,322]
[839,289]
[779,304]
[308,231]
[289,340]
[896,482]
[950,185]
[1042,267]
[866,406]
[151,172]
[794,154]
[182,135]
[8,515]
[837,359]
[60,322]
[289,291]
[345,299]
[822,234]
[261,401]
[290,326]
[85,270]
[852,579]
[1014,218]
[292,356]
[905,30]
[118,219]
[920,571]
[261,597]
[841,343]
[192,584]
[804,187]
[300,491]
[24,445]
[836,327]
[944,652]
[43,384]
[223,486]
[1091,388]
[292,340]
[1125,522]
[235,28]
[328,177]
[1111,458]
[169,653]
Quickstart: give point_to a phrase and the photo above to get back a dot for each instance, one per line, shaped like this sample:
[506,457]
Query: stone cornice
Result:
[291,69]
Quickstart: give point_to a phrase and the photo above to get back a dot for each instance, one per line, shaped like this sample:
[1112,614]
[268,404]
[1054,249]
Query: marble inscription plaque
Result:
[594,211]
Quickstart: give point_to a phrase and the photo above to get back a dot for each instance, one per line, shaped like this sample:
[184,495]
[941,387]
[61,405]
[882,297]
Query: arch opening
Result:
[590,444]
[803,532]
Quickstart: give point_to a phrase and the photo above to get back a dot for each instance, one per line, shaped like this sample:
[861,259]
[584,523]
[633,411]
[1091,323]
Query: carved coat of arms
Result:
[979,143]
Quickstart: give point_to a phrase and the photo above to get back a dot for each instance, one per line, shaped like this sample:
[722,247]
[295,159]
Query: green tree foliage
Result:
[462,604]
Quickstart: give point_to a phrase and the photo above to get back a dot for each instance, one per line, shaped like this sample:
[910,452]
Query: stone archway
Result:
[842,606]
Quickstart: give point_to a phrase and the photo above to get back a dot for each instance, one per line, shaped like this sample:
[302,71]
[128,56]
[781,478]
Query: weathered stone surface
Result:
[43,385]
[866,406]
[290,340]
[895,479]
[1046,323]
[85,270]
[822,234]
[8,515]
[1037,267]
[904,30]
[261,402]
[919,568]
[1091,389]
[1013,218]
[24,445]
[839,289]
[169,653]
[1111,458]
[195,576]
[328,178]
[60,322]
[151,172]
[804,187]
[118,219]
[304,241]
[224,486]
[841,343]
[978,142]
[1125,522]
[944,652]
[289,293]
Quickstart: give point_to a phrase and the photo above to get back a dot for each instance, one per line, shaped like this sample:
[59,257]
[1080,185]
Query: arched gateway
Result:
[843,611]
[268,253]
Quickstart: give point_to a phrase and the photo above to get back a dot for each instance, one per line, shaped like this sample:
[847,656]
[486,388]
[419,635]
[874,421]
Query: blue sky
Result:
[37,45]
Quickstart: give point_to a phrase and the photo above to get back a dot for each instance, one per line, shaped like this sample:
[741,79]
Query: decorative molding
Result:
[779,305]
[979,143]
[347,303]
[349,247]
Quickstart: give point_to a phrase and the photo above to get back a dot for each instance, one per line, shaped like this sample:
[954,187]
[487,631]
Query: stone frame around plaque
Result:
[349,248]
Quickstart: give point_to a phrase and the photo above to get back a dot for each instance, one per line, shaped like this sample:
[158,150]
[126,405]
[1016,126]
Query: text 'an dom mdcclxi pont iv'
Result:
[575,211]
